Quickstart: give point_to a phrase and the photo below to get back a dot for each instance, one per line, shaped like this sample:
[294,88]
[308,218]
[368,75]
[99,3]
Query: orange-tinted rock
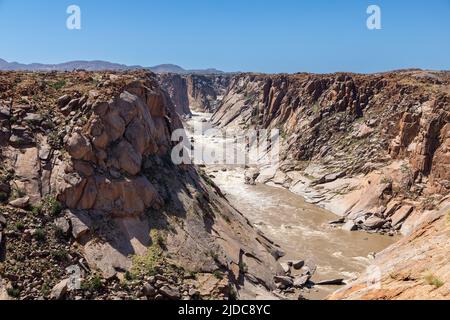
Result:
[78,146]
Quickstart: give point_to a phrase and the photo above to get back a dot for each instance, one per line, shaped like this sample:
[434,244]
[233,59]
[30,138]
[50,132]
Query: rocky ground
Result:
[416,268]
[87,184]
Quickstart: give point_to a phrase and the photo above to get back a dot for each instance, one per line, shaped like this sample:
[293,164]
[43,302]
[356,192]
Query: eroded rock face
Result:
[351,143]
[195,92]
[416,268]
[102,148]
[372,149]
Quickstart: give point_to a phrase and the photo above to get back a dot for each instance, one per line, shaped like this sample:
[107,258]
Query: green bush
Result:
[3,197]
[13,292]
[19,226]
[92,284]
[147,264]
[40,235]
[49,206]
[218,274]
[58,85]
[60,255]
[432,280]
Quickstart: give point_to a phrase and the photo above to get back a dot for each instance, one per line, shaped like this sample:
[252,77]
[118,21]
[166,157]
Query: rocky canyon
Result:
[93,207]
[374,150]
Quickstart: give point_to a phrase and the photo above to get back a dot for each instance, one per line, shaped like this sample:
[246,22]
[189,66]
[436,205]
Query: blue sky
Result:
[232,35]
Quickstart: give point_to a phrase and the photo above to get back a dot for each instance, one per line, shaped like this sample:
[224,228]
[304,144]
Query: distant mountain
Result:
[97,65]
[167,68]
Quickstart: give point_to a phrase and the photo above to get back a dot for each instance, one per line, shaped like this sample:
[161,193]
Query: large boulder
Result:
[78,146]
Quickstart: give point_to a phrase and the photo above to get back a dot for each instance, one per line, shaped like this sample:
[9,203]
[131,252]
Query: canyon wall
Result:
[195,92]
[87,181]
[367,147]
[374,149]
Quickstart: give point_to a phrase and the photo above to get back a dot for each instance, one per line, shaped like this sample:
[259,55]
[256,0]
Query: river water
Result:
[302,230]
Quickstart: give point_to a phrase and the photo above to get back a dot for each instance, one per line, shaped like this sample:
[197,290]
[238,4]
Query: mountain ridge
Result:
[99,65]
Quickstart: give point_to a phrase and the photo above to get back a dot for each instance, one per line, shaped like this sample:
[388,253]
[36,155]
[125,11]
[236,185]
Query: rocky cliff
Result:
[382,136]
[87,183]
[195,92]
[373,149]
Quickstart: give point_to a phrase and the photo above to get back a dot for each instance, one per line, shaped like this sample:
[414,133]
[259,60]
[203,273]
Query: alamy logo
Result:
[74,20]
[75,276]
[374,20]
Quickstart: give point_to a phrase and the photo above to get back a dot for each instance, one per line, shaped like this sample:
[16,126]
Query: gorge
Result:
[86,180]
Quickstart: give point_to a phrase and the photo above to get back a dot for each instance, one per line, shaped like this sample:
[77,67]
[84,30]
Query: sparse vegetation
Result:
[387,180]
[59,233]
[432,280]
[243,268]
[17,193]
[59,255]
[55,141]
[58,85]
[3,197]
[13,292]
[19,226]
[316,107]
[148,264]
[93,283]
[218,274]
[214,255]
[40,235]
[48,206]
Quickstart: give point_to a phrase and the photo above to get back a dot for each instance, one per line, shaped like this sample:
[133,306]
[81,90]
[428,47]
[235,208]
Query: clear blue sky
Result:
[232,35]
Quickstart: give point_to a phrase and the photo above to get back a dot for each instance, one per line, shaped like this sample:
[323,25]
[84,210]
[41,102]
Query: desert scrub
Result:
[243,268]
[40,235]
[432,280]
[60,255]
[55,141]
[93,283]
[218,275]
[13,292]
[17,193]
[214,255]
[3,197]
[48,206]
[19,226]
[387,180]
[316,108]
[58,85]
[148,264]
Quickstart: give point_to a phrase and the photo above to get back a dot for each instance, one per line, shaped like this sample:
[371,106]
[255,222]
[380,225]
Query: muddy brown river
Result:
[302,230]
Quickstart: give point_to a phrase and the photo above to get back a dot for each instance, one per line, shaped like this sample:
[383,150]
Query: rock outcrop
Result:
[195,92]
[416,268]
[91,153]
